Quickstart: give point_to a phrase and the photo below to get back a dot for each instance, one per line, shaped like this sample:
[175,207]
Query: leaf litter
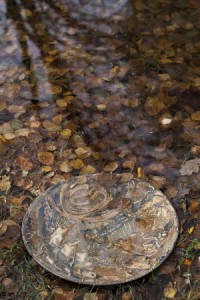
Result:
[99,87]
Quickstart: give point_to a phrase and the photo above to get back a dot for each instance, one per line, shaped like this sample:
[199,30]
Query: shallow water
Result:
[92,86]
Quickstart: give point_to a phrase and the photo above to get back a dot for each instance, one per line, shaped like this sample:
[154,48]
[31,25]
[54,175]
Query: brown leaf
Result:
[45,157]
[111,167]
[170,291]
[9,233]
[5,183]
[9,285]
[127,296]
[24,163]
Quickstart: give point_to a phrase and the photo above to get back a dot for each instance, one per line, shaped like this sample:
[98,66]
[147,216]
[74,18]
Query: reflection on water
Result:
[91,86]
[116,77]
[116,74]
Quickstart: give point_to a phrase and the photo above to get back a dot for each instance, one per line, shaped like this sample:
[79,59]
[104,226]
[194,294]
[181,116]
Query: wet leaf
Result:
[111,167]
[5,183]
[127,296]
[24,163]
[195,116]
[9,233]
[45,157]
[128,164]
[170,291]
[56,89]
[83,152]
[65,167]
[190,166]
[88,170]
[90,296]
[66,132]
[190,230]
[76,164]
[50,125]
[187,262]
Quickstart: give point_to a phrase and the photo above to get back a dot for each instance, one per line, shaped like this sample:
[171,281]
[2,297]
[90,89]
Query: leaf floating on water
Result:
[190,167]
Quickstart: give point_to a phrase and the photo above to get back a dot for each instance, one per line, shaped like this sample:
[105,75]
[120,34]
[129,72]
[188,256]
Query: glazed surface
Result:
[100,229]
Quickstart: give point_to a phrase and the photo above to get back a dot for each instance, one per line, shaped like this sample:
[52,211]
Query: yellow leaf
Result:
[140,173]
[2,139]
[165,60]
[170,292]
[187,262]
[76,164]
[116,69]
[190,230]
[88,170]
[66,132]
[56,89]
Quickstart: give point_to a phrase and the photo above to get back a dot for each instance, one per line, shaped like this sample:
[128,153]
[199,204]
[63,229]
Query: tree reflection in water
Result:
[65,54]
[52,34]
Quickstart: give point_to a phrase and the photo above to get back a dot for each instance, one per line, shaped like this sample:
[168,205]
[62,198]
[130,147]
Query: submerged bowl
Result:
[100,229]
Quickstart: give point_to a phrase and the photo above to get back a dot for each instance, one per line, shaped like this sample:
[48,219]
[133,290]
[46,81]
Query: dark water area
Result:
[103,86]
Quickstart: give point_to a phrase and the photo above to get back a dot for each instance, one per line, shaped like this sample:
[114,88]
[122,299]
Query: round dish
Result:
[100,229]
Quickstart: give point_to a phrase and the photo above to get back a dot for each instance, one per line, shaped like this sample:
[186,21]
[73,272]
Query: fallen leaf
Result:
[45,157]
[24,163]
[83,152]
[190,230]
[127,296]
[111,167]
[66,132]
[5,183]
[76,164]
[170,291]
[90,296]
[128,164]
[187,262]
[196,116]
[65,167]
[88,170]
[190,166]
